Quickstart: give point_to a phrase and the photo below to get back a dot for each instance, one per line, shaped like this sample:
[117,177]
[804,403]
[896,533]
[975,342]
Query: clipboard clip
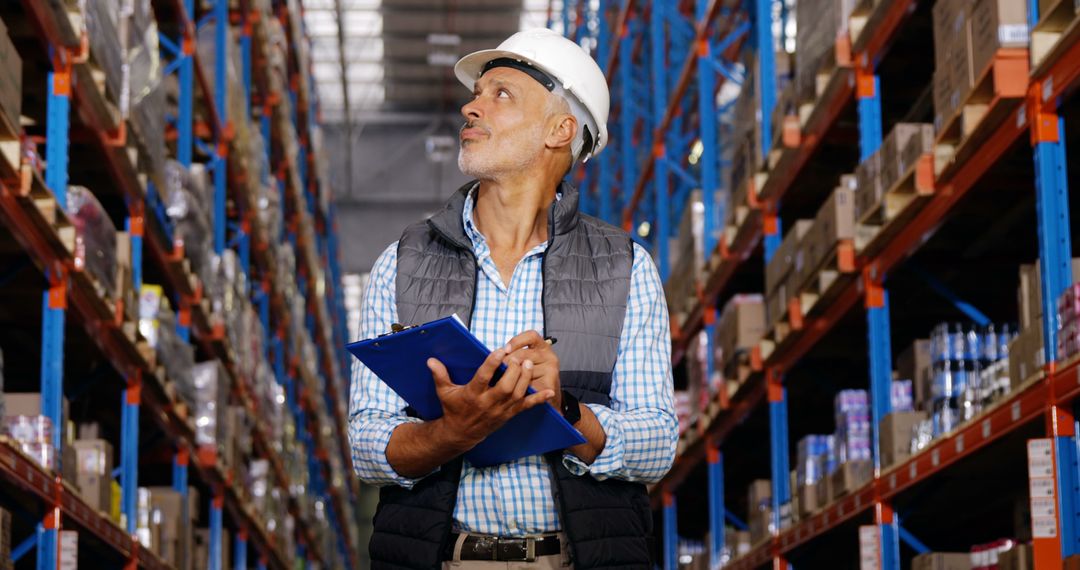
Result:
[396,328]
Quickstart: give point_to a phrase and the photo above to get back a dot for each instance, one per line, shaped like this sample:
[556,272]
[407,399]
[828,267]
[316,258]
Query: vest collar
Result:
[562,216]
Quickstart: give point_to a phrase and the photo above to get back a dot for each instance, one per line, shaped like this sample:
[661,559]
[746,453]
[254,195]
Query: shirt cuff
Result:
[610,460]
[380,435]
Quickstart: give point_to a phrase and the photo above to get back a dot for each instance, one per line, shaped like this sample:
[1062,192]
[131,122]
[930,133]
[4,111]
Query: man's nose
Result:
[471,110]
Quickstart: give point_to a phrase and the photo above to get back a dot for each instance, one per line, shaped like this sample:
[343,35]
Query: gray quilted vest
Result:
[586,273]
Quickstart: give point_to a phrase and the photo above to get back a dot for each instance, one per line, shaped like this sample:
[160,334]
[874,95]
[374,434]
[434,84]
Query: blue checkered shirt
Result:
[515,499]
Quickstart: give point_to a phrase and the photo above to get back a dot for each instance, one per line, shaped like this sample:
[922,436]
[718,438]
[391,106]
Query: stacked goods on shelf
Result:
[95,239]
[697,380]
[853,442]
[893,181]
[94,467]
[108,49]
[211,390]
[760,510]
[177,520]
[1003,554]
[738,330]
[826,251]
[157,324]
[821,47]
[815,460]
[1056,17]
[688,260]
[781,278]
[145,88]
[10,93]
[188,196]
[980,50]
[736,544]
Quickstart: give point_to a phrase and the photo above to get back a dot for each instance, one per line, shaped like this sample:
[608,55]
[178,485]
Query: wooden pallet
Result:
[898,205]
[1059,21]
[865,17]
[998,89]
[828,280]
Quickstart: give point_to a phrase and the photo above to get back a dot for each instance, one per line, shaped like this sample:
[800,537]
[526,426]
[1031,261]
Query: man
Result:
[511,255]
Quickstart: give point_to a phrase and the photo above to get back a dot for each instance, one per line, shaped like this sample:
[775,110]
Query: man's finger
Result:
[439,374]
[482,379]
[527,338]
[509,379]
[524,379]
[533,400]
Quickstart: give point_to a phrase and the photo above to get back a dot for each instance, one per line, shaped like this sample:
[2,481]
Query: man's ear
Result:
[562,131]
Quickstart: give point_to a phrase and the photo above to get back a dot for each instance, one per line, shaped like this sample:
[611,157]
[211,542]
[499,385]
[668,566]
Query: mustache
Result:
[474,125]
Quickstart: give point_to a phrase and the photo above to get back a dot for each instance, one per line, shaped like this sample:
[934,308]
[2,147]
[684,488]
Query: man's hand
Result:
[470,413]
[475,410]
[531,346]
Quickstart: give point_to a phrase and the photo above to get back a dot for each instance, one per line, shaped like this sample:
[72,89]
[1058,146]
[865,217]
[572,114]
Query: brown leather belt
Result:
[502,549]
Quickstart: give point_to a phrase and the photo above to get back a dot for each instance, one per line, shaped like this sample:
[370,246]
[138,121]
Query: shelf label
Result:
[69,550]
[1021,117]
[935,457]
[913,471]
[1048,88]
[1043,507]
[1041,487]
[960,443]
[1044,527]
[869,548]
[986,427]
[1040,448]
[1040,467]
[1016,406]
[892,481]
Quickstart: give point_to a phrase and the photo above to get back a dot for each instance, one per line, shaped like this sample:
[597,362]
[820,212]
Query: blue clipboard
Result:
[400,360]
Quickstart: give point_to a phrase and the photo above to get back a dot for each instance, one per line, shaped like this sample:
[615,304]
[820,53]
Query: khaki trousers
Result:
[559,561]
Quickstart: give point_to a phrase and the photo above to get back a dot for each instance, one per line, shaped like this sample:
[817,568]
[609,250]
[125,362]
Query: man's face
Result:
[505,125]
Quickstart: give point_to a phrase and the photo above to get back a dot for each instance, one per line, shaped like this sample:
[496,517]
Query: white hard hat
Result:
[565,62]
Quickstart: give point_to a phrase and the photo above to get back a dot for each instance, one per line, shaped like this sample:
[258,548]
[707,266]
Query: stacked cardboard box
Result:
[781,281]
[176,524]
[895,436]
[868,190]
[996,24]
[821,41]
[942,561]
[759,504]
[94,459]
[738,330]
[1026,356]
[688,258]
[834,222]
[816,459]
[10,81]
[915,363]
[899,153]
[26,423]
[953,76]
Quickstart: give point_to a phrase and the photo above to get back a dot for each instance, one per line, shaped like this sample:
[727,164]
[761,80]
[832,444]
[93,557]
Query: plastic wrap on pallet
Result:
[95,238]
[258,482]
[211,394]
[822,24]
[147,93]
[34,437]
[107,48]
[157,324]
[901,396]
[185,205]
[234,94]
[810,467]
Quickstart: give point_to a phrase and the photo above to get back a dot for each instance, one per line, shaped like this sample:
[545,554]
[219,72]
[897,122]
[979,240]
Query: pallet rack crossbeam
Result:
[911,540]
[943,290]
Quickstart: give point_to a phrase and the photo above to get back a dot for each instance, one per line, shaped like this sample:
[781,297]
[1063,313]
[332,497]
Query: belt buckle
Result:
[509,547]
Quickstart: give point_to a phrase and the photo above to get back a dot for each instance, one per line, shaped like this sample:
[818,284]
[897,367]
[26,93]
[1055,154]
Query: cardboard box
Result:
[868,189]
[824,491]
[1026,357]
[776,306]
[807,496]
[942,561]
[895,436]
[915,363]
[1019,557]
[26,404]
[850,476]
[740,326]
[10,80]
[896,157]
[996,24]
[176,535]
[777,269]
[835,221]
[94,472]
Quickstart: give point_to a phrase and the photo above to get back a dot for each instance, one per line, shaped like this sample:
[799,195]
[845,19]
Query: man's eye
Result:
[503,93]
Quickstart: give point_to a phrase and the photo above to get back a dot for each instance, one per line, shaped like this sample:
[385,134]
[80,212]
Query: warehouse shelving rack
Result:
[70,90]
[1049,397]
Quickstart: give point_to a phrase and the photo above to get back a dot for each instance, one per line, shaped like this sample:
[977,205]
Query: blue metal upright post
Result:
[868,94]
[778,445]
[880,344]
[58,116]
[180,485]
[763,42]
[710,157]
[716,502]
[671,532]
[185,104]
[221,23]
[773,230]
[1055,260]
[47,547]
[240,551]
[129,450]
[658,43]
[627,118]
[53,311]
[216,534]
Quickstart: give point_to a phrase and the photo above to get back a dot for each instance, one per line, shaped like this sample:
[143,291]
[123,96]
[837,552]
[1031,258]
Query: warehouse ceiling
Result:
[373,57]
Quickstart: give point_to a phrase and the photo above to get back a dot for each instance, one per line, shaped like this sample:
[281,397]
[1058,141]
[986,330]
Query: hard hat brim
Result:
[468,68]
